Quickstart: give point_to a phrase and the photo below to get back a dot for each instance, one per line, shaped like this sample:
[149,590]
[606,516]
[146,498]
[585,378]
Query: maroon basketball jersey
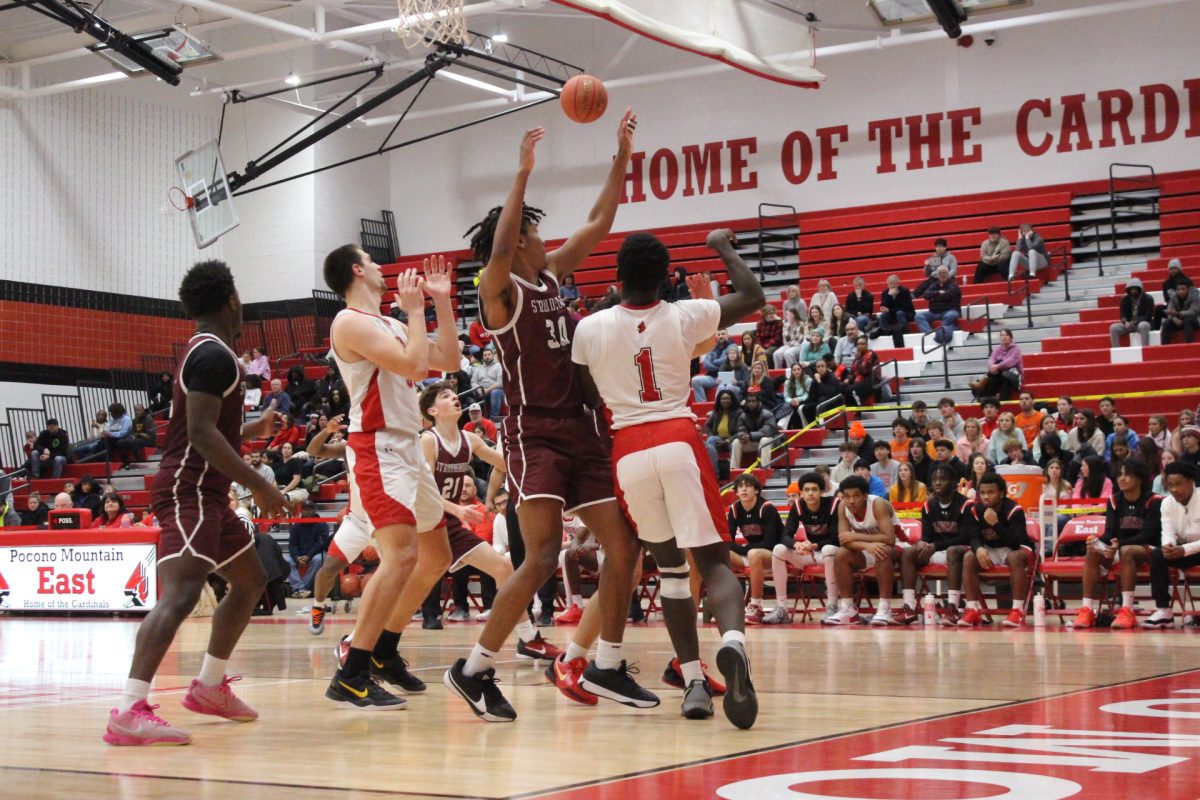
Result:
[182,467]
[535,351]
[450,469]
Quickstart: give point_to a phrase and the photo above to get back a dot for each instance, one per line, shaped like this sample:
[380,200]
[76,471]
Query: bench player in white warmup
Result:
[638,355]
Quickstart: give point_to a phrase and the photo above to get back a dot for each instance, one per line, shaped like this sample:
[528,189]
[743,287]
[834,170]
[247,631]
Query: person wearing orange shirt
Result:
[1029,421]
[901,439]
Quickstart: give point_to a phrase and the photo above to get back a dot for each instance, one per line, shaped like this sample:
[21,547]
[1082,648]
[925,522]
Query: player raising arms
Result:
[639,356]
[557,462]
[200,533]
[381,359]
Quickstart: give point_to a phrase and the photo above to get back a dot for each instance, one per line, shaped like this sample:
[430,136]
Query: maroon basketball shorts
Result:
[560,458]
[462,542]
[201,525]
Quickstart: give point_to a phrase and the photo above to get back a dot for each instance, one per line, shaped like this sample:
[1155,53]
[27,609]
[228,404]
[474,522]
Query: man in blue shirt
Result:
[713,362]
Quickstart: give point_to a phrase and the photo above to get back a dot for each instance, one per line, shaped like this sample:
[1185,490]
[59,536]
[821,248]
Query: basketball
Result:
[364,579]
[350,585]
[584,98]
[370,554]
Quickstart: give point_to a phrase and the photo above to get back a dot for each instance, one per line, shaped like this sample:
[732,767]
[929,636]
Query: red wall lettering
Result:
[1042,106]
[960,135]
[696,163]
[924,132]
[796,146]
[883,131]
[1193,90]
[632,191]
[1115,107]
[738,177]
[829,149]
[1074,124]
[1159,129]
[664,174]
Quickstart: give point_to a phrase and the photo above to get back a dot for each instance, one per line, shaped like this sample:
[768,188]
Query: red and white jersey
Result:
[379,400]
[640,357]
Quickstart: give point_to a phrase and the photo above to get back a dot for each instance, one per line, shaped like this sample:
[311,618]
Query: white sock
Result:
[733,636]
[756,601]
[575,651]
[212,670]
[1126,599]
[885,604]
[692,671]
[525,630]
[845,605]
[608,654]
[134,690]
[910,598]
[975,605]
[577,600]
[1018,605]
[1164,613]
[831,596]
[480,659]
[1089,603]
[954,596]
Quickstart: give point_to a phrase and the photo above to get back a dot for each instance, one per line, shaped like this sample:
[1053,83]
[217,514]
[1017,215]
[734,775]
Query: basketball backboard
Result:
[209,200]
[762,38]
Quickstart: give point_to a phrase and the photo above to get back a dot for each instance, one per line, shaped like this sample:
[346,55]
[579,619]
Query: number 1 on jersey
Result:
[645,364]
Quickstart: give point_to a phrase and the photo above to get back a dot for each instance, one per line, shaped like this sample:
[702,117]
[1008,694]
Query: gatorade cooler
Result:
[1024,484]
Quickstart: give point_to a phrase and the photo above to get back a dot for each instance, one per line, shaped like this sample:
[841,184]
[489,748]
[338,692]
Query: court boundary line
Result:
[834,736]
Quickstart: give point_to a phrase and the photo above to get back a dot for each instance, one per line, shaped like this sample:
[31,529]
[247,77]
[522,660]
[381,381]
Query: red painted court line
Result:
[1147,743]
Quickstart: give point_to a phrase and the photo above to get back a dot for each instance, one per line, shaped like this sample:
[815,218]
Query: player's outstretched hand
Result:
[699,287]
[625,132]
[721,236]
[408,293]
[469,515]
[437,276]
[334,425]
[270,501]
[528,143]
[264,426]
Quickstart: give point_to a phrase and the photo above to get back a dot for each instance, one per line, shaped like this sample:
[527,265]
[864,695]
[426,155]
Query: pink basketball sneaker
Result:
[141,726]
[219,700]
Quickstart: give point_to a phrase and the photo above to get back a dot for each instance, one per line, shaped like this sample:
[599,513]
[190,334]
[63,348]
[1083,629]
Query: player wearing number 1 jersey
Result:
[638,354]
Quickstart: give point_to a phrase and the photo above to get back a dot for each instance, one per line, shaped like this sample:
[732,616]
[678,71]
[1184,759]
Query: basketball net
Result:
[435,20]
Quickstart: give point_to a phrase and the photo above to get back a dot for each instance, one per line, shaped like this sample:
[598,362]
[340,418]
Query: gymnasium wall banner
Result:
[78,577]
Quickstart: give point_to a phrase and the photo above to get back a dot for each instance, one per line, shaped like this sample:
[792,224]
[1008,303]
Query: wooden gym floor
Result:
[59,678]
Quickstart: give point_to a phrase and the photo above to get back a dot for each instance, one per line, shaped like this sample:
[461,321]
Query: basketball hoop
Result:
[431,20]
[179,199]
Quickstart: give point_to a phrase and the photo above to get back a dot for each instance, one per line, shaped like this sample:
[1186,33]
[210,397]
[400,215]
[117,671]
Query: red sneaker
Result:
[219,700]
[566,675]
[1015,619]
[754,614]
[673,676]
[1086,618]
[537,649]
[1125,618]
[970,618]
[948,616]
[569,617]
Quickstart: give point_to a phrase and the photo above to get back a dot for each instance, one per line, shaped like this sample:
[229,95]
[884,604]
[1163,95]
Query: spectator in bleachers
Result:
[918,419]
[769,331]
[793,340]
[945,306]
[337,404]
[1006,368]
[1189,439]
[874,486]
[994,255]
[1180,515]
[816,323]
[710,364]
[811,509]
[301,389]
[480,424]
[947,528]
[1167,457]
[863,375]
[1120,454]
[795,393]
[283,403]
[1149,454]
[844,468]
[978,467]
[824,387]
[1030,252]
[118,432]
[51,448]
[1086,433]
[1182,314]
[895,312]
[259,364]
[487,385]
[316,422]
[1064,418]
[1122,432]
[836,328]
[943,453]
[64,500]
[1006,428]
[36,512]
[113,513]
[823,298]
[918,456]
[255,460]
[794,302]
[9,516]
[567,290]
[1093,483]
[288,471]
[941,258]
[1136,315]
[738,378]
[288,433]
[331,380]
[751,350]
[253,396]
[674,292]
[1015,453]
[754,530]
[1175,277]
[756,427]
[972,441]
[952,421]
[307,544]
[885,468]
[1054,484]
[479,336]
[145,433]
[160,393]
[814,350]
[862,441]
[1186,417]
[860,304]
[722,426]
[1000,538]
[762,385]
[907,489]
[1029,420]
[901,438]
[95,440]
[1107,415]
[845,350]
[990,406]
[1156,429]
[1050,442]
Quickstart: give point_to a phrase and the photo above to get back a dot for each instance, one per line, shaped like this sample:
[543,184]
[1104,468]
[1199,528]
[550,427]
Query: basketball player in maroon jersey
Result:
[200,533]
[557,462]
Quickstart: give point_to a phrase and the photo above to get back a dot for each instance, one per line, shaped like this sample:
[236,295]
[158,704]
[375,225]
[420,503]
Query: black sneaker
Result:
[546,620]
[361,691]
[697,701]
[395,671]
[432,624]
[741,703]
[617,684]
[480,692]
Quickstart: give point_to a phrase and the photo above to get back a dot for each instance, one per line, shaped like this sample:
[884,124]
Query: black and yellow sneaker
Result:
[361,691]
[394,670]
[481,693]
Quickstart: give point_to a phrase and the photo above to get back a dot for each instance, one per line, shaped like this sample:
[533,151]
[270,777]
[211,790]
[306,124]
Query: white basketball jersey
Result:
[379,400]
[868,524]
[640,357]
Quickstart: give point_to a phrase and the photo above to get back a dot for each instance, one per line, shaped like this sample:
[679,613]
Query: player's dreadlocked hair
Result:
[485,230]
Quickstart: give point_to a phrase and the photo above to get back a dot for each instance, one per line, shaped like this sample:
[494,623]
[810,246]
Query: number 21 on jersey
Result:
[645,365]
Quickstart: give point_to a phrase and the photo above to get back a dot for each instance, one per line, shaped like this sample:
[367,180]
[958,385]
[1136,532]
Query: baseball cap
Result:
[474,407]
[857,430]
[1190,430]
[1174,263]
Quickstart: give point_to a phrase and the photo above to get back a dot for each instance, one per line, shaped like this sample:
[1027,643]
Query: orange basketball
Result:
[370,554]
[584,98]
[351,585]
[364,579]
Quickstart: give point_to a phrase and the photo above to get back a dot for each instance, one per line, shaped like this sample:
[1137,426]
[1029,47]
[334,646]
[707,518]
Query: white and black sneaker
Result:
[480,692]
[697,701]
[777,616]
[617,685]
[1161,618]
[741,702]
[843,616]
